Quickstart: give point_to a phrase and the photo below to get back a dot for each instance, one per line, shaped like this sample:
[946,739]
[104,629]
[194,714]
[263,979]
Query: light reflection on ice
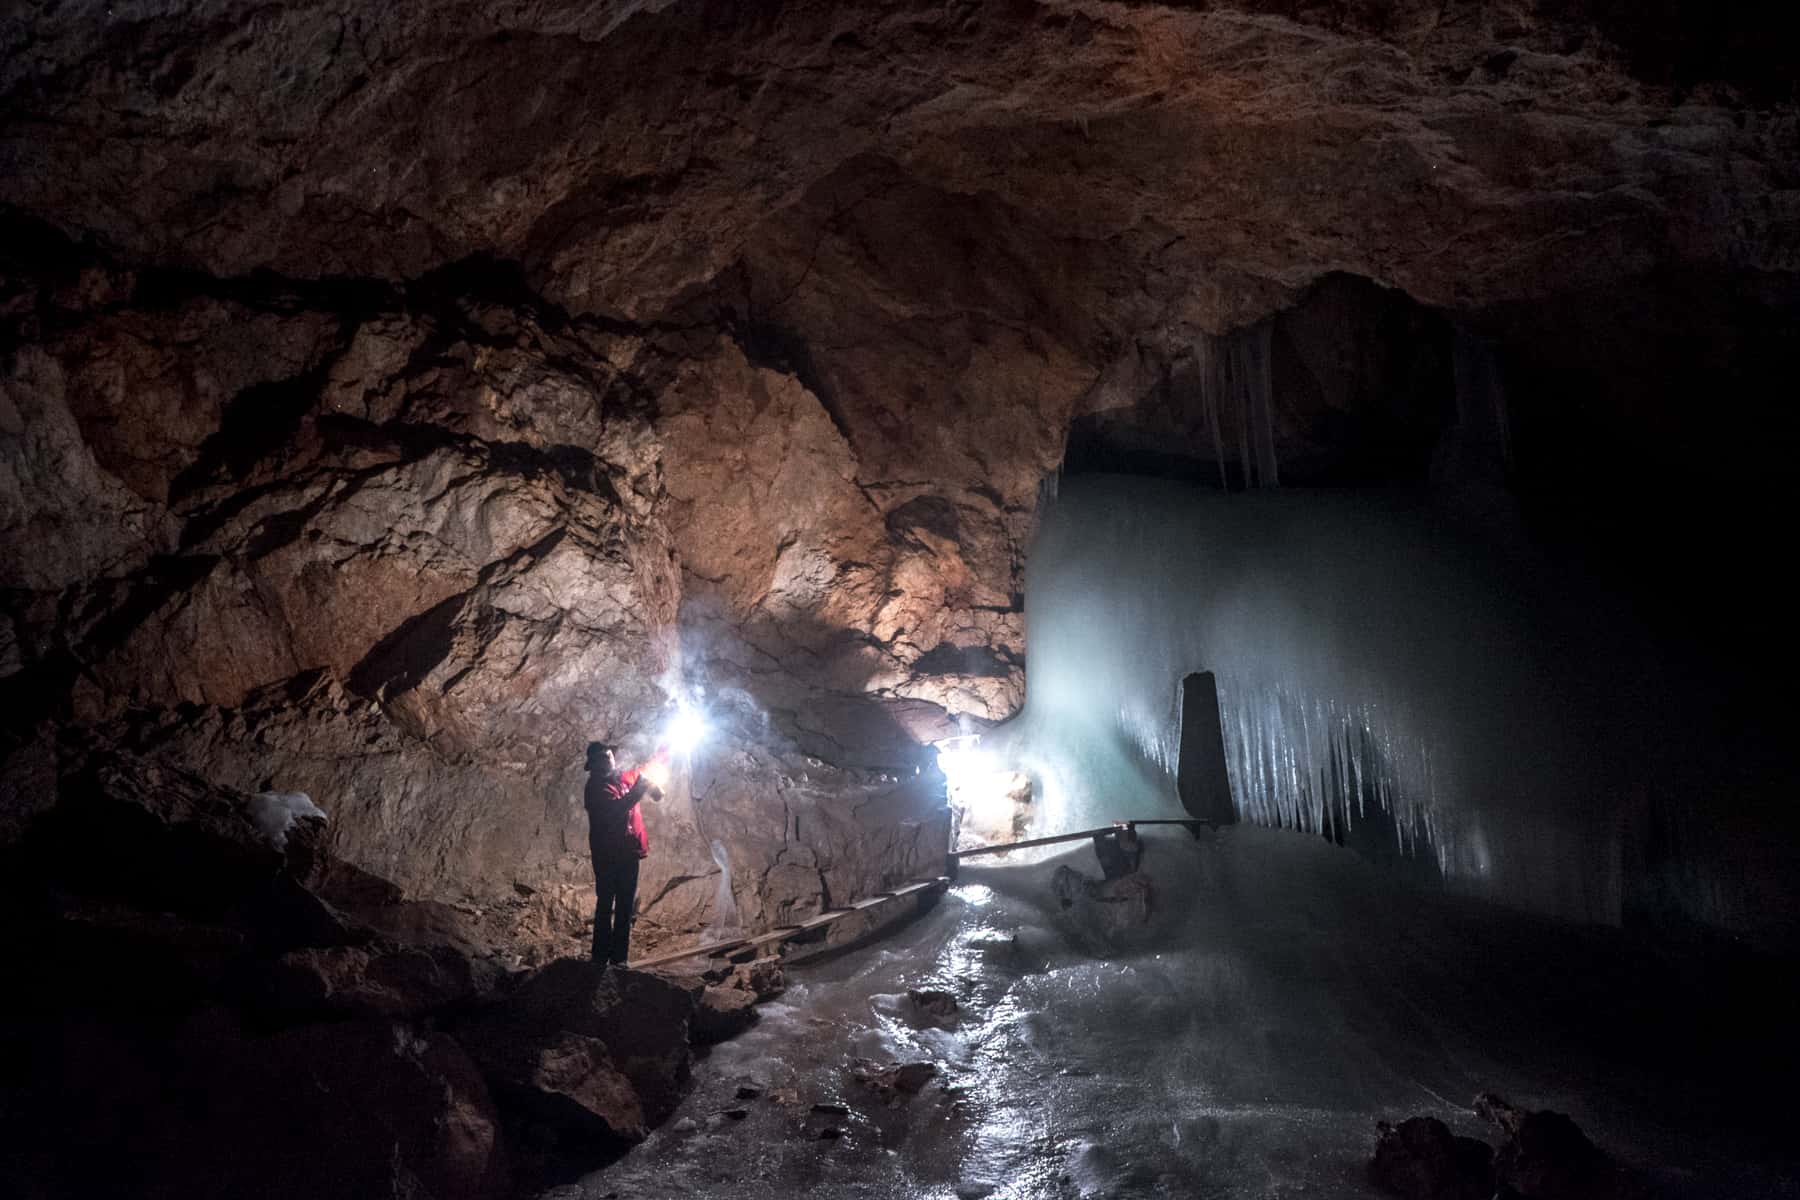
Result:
[1284,996]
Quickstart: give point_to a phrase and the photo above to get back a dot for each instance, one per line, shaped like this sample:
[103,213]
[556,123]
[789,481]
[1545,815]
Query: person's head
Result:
[600,757]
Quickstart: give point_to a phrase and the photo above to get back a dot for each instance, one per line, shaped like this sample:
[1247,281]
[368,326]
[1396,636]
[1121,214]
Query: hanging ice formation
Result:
[725,915]
[1380,674]
[1234,377]
[1478,447]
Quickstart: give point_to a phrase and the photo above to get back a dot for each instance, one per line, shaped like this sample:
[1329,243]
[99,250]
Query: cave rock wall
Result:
[408,549]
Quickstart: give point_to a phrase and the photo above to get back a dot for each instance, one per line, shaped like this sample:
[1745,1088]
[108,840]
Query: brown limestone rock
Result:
[762,978]
[802,834]
[721,1014]
[857,618]
[1162,148]
[640,1019]
[564,1086]
[372,981]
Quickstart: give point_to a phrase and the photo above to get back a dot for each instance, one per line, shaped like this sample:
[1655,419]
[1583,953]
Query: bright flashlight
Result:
[686,730]
[989,803]
[960,758]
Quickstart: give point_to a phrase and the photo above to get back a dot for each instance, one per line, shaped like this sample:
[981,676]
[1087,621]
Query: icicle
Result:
[1345,680]
[1206,372]
[1480,444]
[1262,399]
[1241,409]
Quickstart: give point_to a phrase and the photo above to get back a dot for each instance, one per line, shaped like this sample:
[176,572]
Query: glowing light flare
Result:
[685,730]
[989,800]
[961,758]
[657,773]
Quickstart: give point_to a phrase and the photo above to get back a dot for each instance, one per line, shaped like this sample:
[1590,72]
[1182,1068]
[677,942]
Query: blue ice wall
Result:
[1386,668]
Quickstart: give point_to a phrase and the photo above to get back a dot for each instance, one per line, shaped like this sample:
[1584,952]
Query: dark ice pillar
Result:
[1200,774]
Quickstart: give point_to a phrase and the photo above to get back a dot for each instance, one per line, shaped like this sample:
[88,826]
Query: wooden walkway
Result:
[920,887]
[782,933]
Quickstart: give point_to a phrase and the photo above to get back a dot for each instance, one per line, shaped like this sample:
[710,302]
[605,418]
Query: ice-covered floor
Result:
[1284,996]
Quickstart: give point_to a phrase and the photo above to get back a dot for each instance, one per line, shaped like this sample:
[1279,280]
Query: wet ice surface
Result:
[1284,996]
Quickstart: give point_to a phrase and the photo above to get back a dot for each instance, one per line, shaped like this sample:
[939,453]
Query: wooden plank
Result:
[690,952]
[785,932]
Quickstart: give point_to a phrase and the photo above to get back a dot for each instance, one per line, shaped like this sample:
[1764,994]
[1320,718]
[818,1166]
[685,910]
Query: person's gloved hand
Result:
[655,793]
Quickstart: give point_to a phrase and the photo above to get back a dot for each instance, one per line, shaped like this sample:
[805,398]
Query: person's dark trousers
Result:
[615,895]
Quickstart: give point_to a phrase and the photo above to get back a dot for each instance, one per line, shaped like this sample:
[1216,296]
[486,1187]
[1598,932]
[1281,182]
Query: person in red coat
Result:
[617,840]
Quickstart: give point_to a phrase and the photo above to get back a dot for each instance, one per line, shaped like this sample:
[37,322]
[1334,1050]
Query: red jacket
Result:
[615,824]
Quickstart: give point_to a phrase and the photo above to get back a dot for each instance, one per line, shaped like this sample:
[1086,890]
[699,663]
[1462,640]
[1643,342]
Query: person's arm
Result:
[639,832]
[651,775]
[631,786]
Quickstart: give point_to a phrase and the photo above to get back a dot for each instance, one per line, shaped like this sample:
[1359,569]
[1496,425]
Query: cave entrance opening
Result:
[1201,777]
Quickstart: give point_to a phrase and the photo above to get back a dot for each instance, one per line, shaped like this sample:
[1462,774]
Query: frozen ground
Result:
[1283,997]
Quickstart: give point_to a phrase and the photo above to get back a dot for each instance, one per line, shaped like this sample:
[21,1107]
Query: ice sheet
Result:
[1283,997]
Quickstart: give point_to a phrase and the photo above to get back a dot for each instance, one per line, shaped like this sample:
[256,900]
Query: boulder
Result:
[1113,906]
[934,1003]
[762,978]
[1543,1156]
[722,1013]
[377,1109]
[1546,1156]
[1420,1159]
[565,1086]
[150,836]
[370,981]
[895,1082]
[641,1019]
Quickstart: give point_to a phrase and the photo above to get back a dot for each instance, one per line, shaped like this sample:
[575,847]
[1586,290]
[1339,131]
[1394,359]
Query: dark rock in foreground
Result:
[399,981]
[723,1013]
[640,1019]
[584,1058]
[1544,1156]
[197,1018]
[1420,1159]
[564,1087]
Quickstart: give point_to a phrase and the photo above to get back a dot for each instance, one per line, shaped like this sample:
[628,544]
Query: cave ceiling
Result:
[1156,164]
